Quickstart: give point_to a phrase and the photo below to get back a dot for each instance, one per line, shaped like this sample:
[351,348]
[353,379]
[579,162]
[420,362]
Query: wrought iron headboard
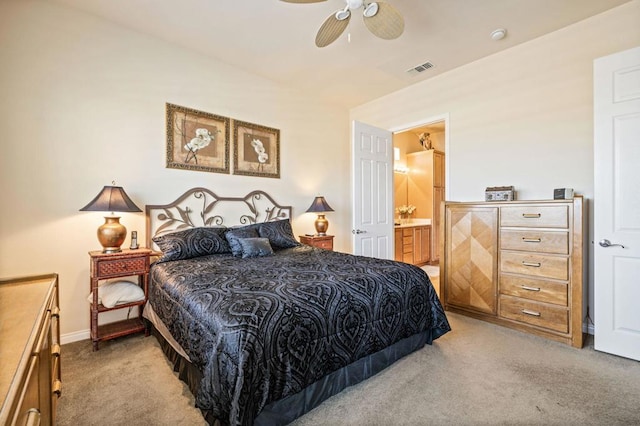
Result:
[211,210]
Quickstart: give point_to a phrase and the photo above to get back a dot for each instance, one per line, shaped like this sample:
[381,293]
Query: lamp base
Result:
[112,234]
[111,250]
[322,225]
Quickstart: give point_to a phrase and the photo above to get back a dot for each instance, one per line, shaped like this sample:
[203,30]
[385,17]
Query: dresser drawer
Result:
[136,265]
[29,397]
[534,240]
[548,316]
[538,265]
[534,289]
[535,216]
[407,241]
[325,244]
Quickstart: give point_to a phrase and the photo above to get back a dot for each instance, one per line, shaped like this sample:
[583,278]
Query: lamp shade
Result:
[111,199]
[319,205]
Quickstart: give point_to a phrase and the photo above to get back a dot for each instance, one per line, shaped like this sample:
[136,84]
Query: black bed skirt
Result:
[286,410]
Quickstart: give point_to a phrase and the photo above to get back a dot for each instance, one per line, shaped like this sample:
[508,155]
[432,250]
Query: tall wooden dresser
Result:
[518,264]
[30,382]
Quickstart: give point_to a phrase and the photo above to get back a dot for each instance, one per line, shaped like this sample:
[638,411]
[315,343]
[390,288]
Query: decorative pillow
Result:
[115,293]
[192,242]
[279,233]
[233,236]
[255,247]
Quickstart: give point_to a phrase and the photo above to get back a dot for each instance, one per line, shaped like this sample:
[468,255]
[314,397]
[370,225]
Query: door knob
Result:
[358,231]
[607,243]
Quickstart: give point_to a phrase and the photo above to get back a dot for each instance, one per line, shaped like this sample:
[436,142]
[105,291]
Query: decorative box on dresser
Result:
[30,380]
[117,265]
[320,241]
[518,264]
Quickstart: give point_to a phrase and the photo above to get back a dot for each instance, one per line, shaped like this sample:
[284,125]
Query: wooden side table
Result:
[117,265]
[320,241]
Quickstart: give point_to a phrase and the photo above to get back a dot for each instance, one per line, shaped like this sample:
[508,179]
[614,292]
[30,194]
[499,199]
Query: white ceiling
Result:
[275,39]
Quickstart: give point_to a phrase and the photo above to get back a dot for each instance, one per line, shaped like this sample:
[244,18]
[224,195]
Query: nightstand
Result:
[117,265]
[320,241]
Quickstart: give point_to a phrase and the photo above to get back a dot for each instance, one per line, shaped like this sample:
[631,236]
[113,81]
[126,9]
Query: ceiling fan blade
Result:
[387,23]
[331,30]
[303,1]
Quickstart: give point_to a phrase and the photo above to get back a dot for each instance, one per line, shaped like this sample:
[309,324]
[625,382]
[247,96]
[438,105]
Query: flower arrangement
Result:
[406,210]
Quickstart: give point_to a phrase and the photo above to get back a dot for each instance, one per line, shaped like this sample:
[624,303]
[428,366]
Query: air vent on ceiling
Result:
[420,68]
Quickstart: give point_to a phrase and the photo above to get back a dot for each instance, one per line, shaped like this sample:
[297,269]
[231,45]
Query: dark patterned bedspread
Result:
[263,328]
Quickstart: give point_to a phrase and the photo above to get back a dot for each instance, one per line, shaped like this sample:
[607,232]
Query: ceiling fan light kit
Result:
[341,15]
[370,10]
[382,19]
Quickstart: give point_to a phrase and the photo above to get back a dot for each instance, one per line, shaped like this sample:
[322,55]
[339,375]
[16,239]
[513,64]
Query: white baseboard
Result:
[75,336]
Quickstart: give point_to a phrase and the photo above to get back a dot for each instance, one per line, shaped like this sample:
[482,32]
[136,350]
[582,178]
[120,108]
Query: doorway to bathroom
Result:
[419,189]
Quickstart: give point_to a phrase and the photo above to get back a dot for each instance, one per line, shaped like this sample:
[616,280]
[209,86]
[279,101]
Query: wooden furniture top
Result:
[427,222]
[510,203]
[22,309]
[316,237]
[98,254]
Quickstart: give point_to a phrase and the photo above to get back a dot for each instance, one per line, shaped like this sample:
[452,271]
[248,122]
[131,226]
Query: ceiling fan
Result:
[382,19]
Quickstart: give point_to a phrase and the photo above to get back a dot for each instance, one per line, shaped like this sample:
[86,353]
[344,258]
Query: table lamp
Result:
[111,199]
[320,206]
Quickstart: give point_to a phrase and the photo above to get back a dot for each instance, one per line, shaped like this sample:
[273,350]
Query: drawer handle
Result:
[531,240]
[531,215]
[55,350]
[530,288]
[57,388]
[532,264]
[532,313]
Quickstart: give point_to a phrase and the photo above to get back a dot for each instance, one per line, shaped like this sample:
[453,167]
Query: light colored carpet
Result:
[431,270]
[434,275]
[479,373]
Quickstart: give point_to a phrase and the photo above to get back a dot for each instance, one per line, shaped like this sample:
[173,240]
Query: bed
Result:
[263,328]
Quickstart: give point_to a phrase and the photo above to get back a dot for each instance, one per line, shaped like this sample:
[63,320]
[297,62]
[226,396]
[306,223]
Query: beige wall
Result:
[83,103]
[522,117]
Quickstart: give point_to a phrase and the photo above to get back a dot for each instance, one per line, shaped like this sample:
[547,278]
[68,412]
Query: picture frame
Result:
[256,150]
[197,140]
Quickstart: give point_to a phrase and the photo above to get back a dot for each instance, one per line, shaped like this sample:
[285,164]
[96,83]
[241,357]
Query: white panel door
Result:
[617,203]
[372,154]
